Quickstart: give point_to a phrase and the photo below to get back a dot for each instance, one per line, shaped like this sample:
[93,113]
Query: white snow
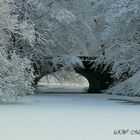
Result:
[130,87]
[61,88]
[70,117]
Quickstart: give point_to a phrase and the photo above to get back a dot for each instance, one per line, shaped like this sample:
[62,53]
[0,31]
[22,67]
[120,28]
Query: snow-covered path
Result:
[70,117]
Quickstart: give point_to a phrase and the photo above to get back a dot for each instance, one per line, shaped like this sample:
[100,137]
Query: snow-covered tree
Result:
[120,37]
[46,16]
[16,73]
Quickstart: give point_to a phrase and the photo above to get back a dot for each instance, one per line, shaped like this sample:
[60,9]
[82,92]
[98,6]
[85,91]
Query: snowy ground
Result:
[70,117]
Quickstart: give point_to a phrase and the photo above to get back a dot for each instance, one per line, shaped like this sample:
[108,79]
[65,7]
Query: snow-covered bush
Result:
[16,76]
[130,87]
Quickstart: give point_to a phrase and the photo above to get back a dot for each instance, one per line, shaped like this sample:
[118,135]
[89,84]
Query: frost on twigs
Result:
[16,76]
[63,16]
[67,62]
[27,33]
